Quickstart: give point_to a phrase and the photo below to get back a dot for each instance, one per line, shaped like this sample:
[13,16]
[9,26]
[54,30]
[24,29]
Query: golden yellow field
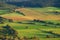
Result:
[38,15]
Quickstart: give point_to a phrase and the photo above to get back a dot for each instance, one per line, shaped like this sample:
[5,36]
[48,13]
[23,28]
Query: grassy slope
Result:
[33,29]
[13,15]
[39,13]
[36,13]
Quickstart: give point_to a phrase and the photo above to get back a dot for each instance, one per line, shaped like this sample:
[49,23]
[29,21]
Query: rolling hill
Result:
[47,13]
[27,23]
[40,13]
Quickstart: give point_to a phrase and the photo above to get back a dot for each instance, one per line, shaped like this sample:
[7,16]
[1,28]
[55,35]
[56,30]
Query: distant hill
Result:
[4,5]
[33,3]
[38,3]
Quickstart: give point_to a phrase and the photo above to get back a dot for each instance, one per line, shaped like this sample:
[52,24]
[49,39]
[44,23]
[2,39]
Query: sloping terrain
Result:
[48,13]
[16,17]
[18,23]
[38,14]
[12,14]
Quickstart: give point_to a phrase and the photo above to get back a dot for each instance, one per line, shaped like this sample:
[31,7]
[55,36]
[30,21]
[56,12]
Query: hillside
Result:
[47,13]
[29,19]
[40,13]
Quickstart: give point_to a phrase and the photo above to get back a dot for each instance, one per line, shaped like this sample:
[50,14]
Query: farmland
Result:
[41,13]
[36,23]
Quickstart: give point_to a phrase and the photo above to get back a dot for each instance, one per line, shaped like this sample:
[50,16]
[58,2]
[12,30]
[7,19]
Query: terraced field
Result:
[37,30]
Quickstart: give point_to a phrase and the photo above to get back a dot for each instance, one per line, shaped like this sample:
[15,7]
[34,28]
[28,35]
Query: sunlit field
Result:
[48,13]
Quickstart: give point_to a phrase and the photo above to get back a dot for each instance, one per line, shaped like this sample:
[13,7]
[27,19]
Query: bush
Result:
[20,13]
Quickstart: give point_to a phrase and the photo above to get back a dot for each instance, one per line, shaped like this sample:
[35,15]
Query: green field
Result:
[44,30]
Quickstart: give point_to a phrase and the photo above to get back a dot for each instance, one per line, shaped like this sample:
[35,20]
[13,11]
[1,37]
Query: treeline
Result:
[33,3]
[4,20]
[47,23]
[8,33]
[52,34]
[38,3]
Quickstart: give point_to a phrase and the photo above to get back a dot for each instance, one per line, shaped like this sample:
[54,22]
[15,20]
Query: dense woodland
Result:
[33,3]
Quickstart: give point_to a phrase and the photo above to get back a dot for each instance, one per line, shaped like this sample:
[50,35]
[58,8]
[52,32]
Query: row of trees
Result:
[54,12]
[46,23]
[53,35]
[3,20]
[20,13]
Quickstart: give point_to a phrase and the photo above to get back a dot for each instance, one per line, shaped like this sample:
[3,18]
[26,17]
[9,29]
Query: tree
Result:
[25,38]
[20,13]
[1,19]
[34,20]
[10,20]
[35,38]
[26,27]
[48,36]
